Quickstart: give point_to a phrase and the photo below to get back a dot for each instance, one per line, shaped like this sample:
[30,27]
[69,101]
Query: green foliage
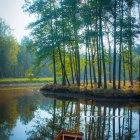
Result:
[69,37]
[8,50]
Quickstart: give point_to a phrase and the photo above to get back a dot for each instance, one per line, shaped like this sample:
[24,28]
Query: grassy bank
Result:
[94,89]
[25,80]
[126,93]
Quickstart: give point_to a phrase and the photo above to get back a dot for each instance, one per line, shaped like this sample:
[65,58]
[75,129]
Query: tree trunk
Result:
[124,75]
[98,50]
[109,65]
[114,59]
[54,67]
[102,46]
[130,45]
[121,43]
[71,66]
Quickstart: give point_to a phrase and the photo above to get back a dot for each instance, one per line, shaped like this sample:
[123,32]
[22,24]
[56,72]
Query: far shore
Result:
[26,80]
[9,85]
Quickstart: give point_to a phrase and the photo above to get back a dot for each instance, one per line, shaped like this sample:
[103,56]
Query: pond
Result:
[27,114]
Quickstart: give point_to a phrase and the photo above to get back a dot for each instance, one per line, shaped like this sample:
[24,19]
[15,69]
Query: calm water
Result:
[26,114]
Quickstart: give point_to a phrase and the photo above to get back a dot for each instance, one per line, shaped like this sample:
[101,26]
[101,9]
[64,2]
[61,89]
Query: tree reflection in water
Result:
[98,122]
[14,106]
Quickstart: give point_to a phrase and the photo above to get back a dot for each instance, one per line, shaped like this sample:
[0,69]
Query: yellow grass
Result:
[125,89]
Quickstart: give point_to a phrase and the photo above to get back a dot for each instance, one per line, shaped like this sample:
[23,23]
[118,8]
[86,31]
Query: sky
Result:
[11,11]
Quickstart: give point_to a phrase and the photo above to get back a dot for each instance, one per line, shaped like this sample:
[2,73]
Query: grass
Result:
[125,94]
[25,80]
[124,89]
[127,89]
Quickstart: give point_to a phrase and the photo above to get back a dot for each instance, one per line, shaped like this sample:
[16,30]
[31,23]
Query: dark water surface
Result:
[27,114]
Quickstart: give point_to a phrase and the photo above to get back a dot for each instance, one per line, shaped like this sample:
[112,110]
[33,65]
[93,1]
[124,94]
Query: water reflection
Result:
[26,115]
[14,105]
[98,122]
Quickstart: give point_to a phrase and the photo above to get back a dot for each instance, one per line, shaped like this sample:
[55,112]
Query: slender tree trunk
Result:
[89,59]
[98,50]
[121,43]
[75,64]
[54,67]
[102,46]
[109,65]
[100,62]
[93,63]
[62,66]
[76,67]
[130,45]
[71,66]
[114,59]
[124,75]
[86,75]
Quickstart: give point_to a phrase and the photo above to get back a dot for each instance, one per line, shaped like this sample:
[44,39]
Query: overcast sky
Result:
[11,11]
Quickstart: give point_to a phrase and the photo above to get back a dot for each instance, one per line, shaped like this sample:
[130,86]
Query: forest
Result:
[90,41]
[16,59]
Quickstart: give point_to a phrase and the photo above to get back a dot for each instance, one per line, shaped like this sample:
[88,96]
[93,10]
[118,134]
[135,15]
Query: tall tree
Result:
[8,51]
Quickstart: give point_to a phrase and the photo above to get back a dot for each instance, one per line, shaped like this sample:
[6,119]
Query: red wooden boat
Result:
[67,135]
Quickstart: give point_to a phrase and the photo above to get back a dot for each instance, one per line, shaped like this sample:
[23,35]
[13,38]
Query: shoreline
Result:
[22,84]
[65,92]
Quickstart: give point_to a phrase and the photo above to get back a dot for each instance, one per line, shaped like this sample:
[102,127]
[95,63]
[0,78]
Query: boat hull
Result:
[67,135]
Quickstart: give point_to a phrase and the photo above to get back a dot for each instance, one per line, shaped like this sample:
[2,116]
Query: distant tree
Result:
[25,57]
[8,51]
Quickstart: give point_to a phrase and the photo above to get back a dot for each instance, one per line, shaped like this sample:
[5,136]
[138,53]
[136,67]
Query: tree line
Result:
[16,59]
[85,39]
[88,41]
